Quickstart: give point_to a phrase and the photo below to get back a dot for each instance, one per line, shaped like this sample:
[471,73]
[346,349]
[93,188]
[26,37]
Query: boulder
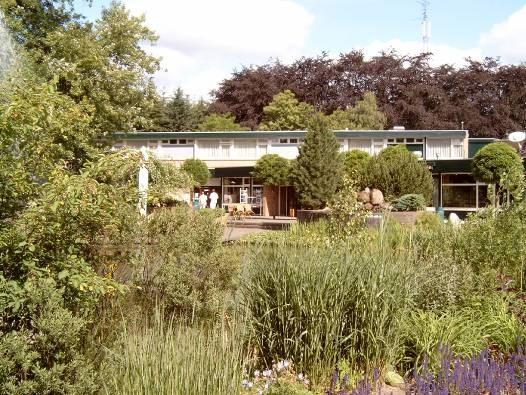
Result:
[386,206]
[368,206]
[454,219]
[364,196]
[377,197]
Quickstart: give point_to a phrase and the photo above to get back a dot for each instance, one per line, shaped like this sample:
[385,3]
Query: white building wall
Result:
[289,151]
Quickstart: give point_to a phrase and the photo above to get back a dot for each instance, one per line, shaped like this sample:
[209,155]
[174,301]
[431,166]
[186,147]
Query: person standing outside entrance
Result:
[213,199]
[202,200]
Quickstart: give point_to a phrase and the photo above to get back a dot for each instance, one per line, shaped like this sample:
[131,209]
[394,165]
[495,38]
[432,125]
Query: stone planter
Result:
[312,215]
[404,217]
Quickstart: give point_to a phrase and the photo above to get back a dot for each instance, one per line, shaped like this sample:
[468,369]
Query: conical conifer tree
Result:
[319,168]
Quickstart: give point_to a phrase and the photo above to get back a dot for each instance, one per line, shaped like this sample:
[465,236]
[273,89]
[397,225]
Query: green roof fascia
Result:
[475,144]
[293,133]
[450,165]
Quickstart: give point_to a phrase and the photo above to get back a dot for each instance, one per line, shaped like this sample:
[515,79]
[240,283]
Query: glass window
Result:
[165,141]
[458,179]
[293,141]
[419,140]
[190,141]
[400,140]
[390,140]
[410,140]
[233,181]
[283,141]
[459,196]
[483,195]
[182,141]
[173,142]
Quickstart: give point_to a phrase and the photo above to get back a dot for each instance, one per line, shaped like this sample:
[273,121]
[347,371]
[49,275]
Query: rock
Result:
[454,219]
[368,206]
[386,206]
[377,197]
[364,196]
[394,379]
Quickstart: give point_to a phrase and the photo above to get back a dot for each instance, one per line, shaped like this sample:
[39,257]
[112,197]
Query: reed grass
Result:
[167,357]
[319,305]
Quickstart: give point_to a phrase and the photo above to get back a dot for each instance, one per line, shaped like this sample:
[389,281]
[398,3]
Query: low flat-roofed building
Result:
[231,157]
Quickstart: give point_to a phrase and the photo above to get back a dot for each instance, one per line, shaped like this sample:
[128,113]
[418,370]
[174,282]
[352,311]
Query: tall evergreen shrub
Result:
[397,172]
[319,167]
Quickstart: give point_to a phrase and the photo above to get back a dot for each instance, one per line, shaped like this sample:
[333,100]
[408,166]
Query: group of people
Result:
[208,200]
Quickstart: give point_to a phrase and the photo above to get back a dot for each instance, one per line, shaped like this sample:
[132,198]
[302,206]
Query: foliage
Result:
[197,169]
[363,116]
[318,167]
[184,264]
[220,122]
[396,172]
[280,379]
[318,305]
[272,170]
[167,357]
[499,163]
[409,90]
[494,241]
[347,213]
[104,65]
[44,355]
[428,220]
[410,202]
[39,129]
[285,112]
[464,332]
[178,114]
[355,163]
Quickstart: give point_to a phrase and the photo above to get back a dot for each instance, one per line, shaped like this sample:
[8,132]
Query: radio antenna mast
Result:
[426,25]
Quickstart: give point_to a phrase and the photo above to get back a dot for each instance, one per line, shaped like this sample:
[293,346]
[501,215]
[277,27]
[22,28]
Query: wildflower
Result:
[247,384]
[267,373]
[257,373]
[300,376]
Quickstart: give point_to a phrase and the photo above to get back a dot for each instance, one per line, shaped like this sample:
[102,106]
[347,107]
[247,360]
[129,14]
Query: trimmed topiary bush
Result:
[272,170]
[396,172]
[499,163]
[197,169]
[410,202]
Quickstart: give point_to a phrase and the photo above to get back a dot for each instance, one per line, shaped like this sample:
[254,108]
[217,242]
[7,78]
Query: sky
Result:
[202,41]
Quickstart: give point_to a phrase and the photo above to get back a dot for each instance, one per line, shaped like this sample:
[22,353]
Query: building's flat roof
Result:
[293,133]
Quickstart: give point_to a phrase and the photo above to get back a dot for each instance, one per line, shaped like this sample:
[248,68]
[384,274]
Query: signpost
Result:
[143,184]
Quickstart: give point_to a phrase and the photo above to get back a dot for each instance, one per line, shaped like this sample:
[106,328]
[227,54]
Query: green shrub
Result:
[495,243]
[319,305]
[465,332]
[499,163]
[318,167]
[410,202]
[166,357]
[43,352]
[355,164]
[184,264]
[396,172]
[197,169]
[273,170]
[428,220]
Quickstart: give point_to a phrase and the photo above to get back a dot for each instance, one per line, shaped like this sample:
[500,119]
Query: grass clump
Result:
[319,305]
[168,357]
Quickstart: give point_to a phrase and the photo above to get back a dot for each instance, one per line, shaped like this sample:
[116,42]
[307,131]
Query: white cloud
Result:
[507,39]
[201,41]
[441,53]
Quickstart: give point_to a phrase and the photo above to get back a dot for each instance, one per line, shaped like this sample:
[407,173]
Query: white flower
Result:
[247,384]
[280,366]
[267,373]
[286,363]
[257,373]
[300,376]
